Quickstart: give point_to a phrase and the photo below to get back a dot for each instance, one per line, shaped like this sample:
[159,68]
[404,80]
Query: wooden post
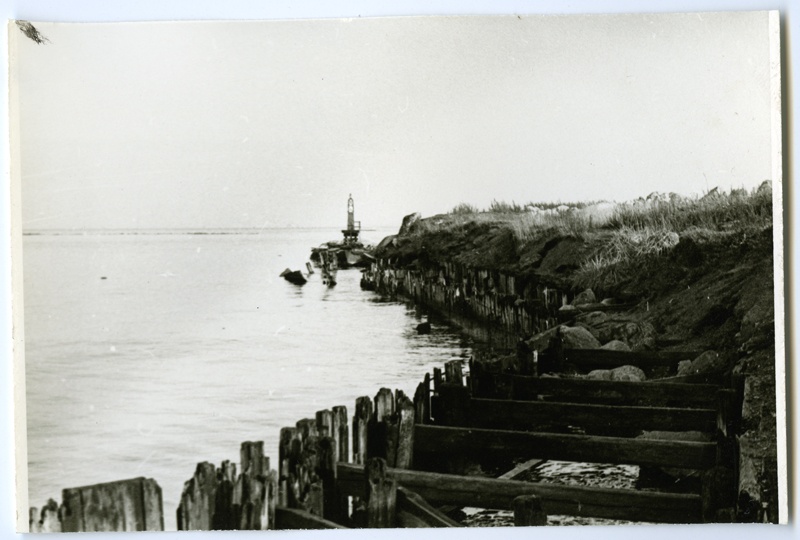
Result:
[528,511]
[437,379]
[325,423]
[272,499]
[381,490]
[198,500]
[340,433]
[114,506]
[380,430]
[310,487]
[252,458]
[718,493]
[454,404]
[46,521]
[285,465]
[453,372]
[422,411]
[405,433]
[361,419]
[334,506]
[224,519]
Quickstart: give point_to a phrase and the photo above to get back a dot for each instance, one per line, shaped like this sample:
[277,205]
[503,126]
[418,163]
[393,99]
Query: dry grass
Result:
[629,237]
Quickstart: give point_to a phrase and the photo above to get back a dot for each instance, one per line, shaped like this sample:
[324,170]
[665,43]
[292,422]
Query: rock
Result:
[628,373]
[708,362]
[592,330]
[424,328]
[608,301]
[594,318]
[684,366]
[616,345]
[578,338]
[390,240]
[585,297]
[600,375]
[622,373]
[408,223]
[293,276]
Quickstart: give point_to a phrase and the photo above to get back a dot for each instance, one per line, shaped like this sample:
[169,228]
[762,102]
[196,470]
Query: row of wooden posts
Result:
[408,458]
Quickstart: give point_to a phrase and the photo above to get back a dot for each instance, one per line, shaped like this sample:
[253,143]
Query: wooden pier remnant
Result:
[399,470]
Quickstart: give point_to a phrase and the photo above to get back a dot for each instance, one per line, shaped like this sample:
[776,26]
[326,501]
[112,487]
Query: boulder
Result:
[578,338]
[622,373]
[708,362]
[616,345]
[600,375]
[424,328]
[408,223]
[628,373]
[595,318]
[585,297]
[592,330]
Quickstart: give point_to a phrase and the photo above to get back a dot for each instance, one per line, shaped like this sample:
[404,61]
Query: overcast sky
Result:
[264,124]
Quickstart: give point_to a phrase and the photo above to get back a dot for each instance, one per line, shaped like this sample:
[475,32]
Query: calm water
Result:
[193,344]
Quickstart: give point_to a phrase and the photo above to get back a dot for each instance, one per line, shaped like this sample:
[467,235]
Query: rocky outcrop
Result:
[408,223]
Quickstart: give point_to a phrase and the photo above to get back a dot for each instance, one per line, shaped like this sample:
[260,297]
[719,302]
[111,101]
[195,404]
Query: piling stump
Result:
[113,506]
[528,511]
[381,490]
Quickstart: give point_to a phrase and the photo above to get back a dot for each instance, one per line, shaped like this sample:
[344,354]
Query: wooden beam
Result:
[544,416]
[293,518]
[441,489]
[654,393]
[606,359]
[409,502]
[445,442]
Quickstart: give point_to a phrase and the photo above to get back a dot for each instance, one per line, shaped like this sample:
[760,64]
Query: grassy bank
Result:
[611,243]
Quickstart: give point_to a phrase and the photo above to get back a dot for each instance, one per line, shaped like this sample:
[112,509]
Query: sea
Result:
[148,352]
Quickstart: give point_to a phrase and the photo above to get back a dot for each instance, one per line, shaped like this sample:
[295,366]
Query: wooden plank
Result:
[294,519]
[654,393]
[521,469]
[448,489]
[445,442]
[412,503]
[597,419]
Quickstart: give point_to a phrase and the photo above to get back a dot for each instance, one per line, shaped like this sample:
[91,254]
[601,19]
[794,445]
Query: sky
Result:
[270,124]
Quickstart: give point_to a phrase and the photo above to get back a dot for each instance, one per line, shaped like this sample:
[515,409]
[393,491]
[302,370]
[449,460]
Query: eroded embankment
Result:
[699,289]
